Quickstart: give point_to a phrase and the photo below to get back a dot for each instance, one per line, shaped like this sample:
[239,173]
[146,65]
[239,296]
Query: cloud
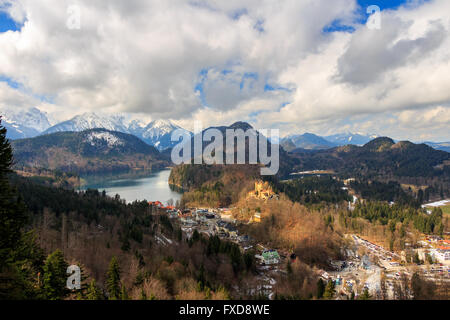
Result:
[371,53]
[215,60]
[435,118]
[11,97]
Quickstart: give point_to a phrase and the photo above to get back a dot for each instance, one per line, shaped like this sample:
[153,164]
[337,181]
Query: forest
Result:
[116,246]
[314,190]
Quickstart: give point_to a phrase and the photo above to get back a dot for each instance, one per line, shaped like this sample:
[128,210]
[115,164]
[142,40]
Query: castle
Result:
[262,191]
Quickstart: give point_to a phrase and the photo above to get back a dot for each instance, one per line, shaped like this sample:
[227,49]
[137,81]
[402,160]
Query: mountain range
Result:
[307,141]
[33,122]
[343,139]
[156,133]
[98,150]
[380,157]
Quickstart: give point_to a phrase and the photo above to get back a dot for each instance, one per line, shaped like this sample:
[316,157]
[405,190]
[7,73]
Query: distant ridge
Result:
[379,157]
[308,141]
[89,151]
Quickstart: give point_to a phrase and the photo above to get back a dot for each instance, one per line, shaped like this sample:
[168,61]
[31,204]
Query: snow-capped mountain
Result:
[342,139]
[90,120]
[136,127]
[158,133]
[15,131]
[22,123]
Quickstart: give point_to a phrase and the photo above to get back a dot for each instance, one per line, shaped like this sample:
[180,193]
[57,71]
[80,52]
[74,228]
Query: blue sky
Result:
[337,25]
[383,4]
[6,23]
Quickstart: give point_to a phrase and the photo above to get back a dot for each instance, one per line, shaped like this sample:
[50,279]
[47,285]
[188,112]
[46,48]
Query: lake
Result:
[151,186]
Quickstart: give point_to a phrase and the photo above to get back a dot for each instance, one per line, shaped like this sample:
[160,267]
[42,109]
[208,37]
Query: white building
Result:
[441,255]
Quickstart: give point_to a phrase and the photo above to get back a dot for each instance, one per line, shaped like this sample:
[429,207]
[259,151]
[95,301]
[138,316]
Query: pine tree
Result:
[289,267]
[6,156]
[320,288]
[12,211]
[352,296]
[143,295]
[20,258]
[365,295]
[329,290]
[82,292]
[416,258]
[113,279]
[93,292]
[55,276]
[124,293]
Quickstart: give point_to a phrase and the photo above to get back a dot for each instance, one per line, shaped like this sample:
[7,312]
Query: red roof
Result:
[156,203]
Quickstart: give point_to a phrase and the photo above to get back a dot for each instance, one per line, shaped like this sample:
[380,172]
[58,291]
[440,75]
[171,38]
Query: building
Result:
[226,216]
[257,217]
[210,216]
[270,257]
[173,214]
[262,191]
[223,227]
[188,222]
[441,254]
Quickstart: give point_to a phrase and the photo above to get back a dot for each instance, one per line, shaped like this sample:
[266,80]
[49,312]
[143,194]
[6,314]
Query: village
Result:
[365,265]
[219,222]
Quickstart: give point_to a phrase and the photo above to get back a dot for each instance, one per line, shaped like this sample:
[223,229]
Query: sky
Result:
[297,65]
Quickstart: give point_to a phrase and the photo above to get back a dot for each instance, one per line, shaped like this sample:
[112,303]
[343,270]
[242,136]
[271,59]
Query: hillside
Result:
[379,157]
[90,151]
[213,185]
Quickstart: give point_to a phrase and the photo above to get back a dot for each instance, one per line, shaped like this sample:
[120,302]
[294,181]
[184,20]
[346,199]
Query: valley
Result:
[339,223]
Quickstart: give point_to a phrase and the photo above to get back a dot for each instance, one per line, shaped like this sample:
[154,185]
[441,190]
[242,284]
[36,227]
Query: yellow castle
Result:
[262,191]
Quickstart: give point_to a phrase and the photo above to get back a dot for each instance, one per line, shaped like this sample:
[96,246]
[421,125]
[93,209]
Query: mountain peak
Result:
[162,124]
[90,120]
[158,133]
[24,123]
[241,125]
[308,141]
[379,144]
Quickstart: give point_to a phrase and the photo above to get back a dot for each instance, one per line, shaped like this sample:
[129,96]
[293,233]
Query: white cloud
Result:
[12,97]
[146,57]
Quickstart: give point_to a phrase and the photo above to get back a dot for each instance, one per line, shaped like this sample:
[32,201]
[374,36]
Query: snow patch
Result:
[95,137]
